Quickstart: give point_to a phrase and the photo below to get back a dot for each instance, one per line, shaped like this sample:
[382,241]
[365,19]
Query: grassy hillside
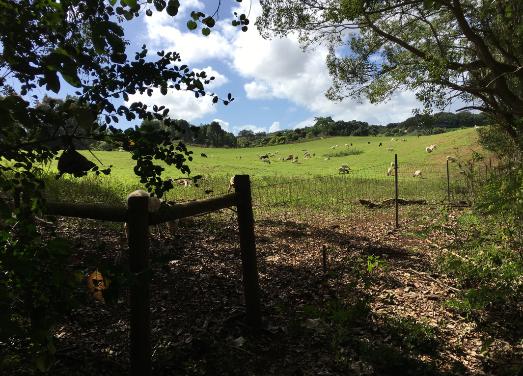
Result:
[313,182]
[369,157]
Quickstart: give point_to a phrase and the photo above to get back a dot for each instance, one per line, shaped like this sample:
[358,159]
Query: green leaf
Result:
[191,25]
[52,81]
[209,21]
[130,3]
[198,84]
[97,37]
[206,31]
[115,28]
[72,162]
[69,71]
[159,5]
[72,80]
[117,43]
[195,15]
[128,15]
[431,4]
[118,58]
[172,7]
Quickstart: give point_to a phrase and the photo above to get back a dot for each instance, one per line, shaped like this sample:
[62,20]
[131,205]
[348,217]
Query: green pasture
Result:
[368,157]
[310,183]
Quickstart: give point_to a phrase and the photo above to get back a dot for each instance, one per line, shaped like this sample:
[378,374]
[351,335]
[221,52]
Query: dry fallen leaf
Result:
[238,342]
[96,285]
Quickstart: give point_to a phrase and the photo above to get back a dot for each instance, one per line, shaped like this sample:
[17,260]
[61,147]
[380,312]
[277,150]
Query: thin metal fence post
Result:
[396,189]
[251,285]
[140,321]
[324,258]
[448,181]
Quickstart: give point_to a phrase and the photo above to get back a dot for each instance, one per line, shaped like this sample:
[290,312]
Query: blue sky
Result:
[276,85]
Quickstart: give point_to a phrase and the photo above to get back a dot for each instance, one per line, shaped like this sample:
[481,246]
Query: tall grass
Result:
[309,184]
[335,193]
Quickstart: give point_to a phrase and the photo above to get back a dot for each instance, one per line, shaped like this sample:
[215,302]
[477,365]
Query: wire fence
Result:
[334,193]
[428,183]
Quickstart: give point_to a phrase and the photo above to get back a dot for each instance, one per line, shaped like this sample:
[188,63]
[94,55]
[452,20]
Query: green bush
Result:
[485,263]
[413,335]
[343,153]
[502,197]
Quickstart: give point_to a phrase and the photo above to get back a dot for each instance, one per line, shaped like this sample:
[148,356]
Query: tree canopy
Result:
[328,127]
[444,50]
[43,45]
[210,134]
[82,42]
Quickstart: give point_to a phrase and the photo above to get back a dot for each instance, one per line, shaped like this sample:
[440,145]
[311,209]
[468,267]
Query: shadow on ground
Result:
[315,323]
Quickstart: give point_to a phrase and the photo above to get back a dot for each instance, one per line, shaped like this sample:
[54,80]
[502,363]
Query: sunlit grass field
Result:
[310,183]
[227,162]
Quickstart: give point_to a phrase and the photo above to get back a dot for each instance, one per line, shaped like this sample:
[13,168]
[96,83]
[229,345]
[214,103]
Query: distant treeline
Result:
[213,135]
[327,127]
[210,134]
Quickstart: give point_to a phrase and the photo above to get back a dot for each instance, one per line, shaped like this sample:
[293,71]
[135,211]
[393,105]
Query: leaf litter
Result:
[344,318]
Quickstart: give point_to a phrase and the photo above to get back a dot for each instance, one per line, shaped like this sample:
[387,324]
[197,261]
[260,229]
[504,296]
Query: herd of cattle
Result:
[343,169]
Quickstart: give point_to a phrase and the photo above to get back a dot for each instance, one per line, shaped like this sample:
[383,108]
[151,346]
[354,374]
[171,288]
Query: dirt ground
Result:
[378,309]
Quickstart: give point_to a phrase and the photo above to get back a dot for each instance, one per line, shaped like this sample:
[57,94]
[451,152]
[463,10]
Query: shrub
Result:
[485,263]
[343,153]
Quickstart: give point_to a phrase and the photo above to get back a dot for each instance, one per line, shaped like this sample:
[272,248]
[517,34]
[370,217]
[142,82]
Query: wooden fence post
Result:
[251,286]
[396,189]
[140,322]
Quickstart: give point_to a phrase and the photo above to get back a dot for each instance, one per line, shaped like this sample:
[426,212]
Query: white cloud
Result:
[193,47]
[307,83]
[304,123]
[258,57]
[275,126]
[186,6]
[224,124]
[273,69]
[280,69]
[249,127]
[257,90]
[219,79]
[183,104]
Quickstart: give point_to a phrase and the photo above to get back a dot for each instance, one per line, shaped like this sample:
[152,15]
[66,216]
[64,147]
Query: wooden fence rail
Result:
[88,211]
[138,221]
[120,213]
[189,209]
